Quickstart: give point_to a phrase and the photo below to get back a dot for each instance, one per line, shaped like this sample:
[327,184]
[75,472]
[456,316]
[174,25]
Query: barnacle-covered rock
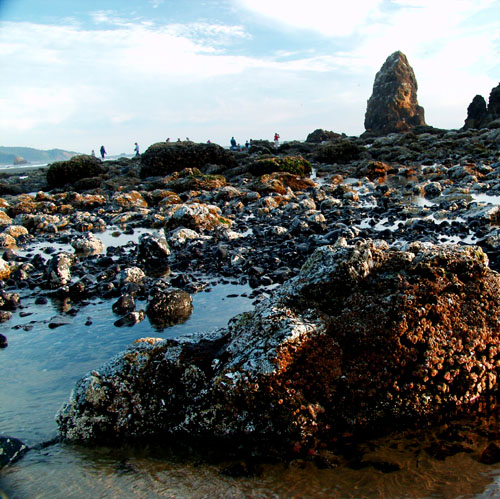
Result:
[87,244]
[365,337]
[195,216]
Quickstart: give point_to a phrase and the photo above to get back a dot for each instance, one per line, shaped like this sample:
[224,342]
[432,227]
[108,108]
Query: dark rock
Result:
[76,168]
[9,301]
[163,158]
[480,116]
[319,135]
[338,151]
[166,308]
[153,252]
[3,341]
[124,305]
[490,455]
[11,449]
[393,105]
[476,112]
[291,164]
[130,319]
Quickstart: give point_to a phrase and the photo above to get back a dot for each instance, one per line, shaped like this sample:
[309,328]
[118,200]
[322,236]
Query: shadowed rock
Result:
[11,449]
[77,168]
[480,116]
[393,105]
[163,158]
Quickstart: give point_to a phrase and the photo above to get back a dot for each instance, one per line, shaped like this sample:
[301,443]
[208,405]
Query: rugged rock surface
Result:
[480,116]
[11,449]
[393,105]
[164,157]
[476,112]
[364,337]
[296,165]
[76,168]
[319,135]
[168,307]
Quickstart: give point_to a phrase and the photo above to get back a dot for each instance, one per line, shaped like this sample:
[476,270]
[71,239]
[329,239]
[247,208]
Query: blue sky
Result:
[78,74]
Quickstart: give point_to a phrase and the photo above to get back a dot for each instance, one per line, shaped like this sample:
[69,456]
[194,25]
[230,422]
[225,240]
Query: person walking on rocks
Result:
[276,140]
[136,149]
[233,144]
[103,152]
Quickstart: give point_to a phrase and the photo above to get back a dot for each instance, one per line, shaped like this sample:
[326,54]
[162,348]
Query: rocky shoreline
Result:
[230,222]
[372,260]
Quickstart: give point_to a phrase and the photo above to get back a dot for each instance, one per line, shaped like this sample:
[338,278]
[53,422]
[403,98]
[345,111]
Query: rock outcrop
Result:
[480,116]
[319,135]
[393,105]
[163,158]
[69,172]
[364,337]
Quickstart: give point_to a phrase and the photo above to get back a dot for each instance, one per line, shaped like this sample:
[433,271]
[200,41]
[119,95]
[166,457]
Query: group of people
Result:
[238,147]
[103,152]
[234,146]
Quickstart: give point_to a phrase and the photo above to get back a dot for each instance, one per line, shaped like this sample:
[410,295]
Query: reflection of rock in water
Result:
[364,338]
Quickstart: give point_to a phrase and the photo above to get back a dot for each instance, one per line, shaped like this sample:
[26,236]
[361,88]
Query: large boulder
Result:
[393,105]
[319,135]
[76,168]
[337,151]
[364,338]
[163,158]
[290,164]
[195,216]
[169,307]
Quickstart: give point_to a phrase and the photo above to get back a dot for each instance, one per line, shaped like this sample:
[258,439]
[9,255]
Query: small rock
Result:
[11,449]
[490,455]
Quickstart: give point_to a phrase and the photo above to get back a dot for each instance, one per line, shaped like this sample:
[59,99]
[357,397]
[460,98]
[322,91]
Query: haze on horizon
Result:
[80,74]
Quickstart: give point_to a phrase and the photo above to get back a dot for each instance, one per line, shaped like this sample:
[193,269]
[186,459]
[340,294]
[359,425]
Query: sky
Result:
[80,74]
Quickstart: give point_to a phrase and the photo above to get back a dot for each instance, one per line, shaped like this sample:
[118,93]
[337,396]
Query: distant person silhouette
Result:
[93,153]
[136,149]
[233,144]
[276,140]
[103,152]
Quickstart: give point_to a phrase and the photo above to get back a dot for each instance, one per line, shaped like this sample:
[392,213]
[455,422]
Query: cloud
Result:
[323,16]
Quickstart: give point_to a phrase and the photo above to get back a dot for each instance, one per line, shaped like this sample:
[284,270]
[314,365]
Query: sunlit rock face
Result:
[364,338]
[393,106]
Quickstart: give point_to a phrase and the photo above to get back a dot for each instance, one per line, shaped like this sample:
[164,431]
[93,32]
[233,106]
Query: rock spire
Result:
[393,105]
[480,116]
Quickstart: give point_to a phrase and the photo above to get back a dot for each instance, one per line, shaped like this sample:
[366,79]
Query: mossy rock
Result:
[163,158]
[290,164]
[340,150]
[72,170]
[193,179]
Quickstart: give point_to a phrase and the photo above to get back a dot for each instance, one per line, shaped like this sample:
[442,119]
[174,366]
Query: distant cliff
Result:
[16,155]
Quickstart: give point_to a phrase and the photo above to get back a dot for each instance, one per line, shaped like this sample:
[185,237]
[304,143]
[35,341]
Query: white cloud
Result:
[323,16]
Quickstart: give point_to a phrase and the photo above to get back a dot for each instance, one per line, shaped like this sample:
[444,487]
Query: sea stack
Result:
[480,116]
[393,105]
